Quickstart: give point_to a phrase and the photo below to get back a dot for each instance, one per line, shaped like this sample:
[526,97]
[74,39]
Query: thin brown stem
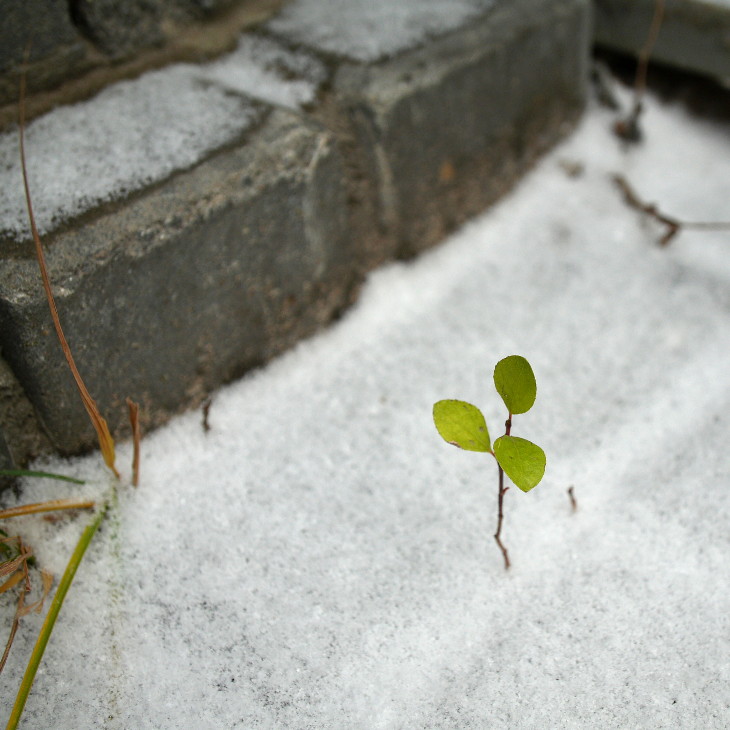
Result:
[206,412]
[628,128]
[136,438]
[645,52]
[674,225]
[25,553]
[573,501]
[106,442]
[500,503]
[13,630]
[500,518]
[50,506]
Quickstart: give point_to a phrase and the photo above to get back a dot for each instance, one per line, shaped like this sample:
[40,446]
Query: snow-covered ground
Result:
[322,559]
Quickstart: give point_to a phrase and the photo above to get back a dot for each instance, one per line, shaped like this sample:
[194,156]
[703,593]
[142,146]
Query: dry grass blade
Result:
[17,568]
[50,506]
[10,566]
[47,579]
[13,630]
[106,442]
[136,437]
[11,582]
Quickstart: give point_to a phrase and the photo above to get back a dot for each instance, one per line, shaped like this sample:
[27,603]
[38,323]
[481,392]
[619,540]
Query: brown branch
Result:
[500,517]
[500,502]
[628,128]
[24,554]
[136,438]
[13,629]
[674,225]
[206,413]
[573,501]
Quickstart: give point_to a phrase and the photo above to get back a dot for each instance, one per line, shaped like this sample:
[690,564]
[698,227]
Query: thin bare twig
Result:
[502,491]
[20,564]
[674,225]
[136,438]
[573,501]
[628,129]
[206,413]
[500,501]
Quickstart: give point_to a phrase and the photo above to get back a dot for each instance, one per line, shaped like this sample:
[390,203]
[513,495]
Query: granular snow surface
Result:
[370,31]
[322,559]
[141,131]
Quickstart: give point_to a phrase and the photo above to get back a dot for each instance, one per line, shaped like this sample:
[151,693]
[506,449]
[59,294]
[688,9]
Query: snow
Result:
[263,69]
[321,558]
[139,132]
[370,31]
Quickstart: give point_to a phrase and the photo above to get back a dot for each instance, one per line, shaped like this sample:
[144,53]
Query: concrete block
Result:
[443,119]
[694,35]
[172,293]
[56,47]
[184,248]
[192,232]
[21,436]
[120,29]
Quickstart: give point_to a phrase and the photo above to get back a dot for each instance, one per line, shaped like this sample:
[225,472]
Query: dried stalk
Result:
[106,442]
[628,128]
[674,225]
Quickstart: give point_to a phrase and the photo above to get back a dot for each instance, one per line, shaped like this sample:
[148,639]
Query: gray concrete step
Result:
[201,219]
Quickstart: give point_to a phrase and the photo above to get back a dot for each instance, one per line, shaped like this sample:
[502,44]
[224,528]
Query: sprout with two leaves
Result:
[463,425]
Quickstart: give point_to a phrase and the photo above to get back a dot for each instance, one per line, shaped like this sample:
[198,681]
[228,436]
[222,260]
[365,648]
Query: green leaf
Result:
[462,425]
[523,462]
[43,474]
[515,382]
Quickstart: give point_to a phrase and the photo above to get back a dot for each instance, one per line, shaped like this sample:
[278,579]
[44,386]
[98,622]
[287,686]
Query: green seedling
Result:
[462,424]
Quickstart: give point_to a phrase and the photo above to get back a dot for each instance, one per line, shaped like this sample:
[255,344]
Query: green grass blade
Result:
[42,474]
[48,624]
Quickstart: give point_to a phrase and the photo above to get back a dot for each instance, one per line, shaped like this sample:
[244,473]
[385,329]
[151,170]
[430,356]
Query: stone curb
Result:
[694,34]
[169,290]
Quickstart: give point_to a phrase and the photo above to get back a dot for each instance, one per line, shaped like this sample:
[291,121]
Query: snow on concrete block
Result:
[371,31]
[263,69]
[133,134]
[174,292]
[137,133]
[178,225]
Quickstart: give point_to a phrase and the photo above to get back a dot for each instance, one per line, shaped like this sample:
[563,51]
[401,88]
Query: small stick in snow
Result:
[673,224]
[206,411]
[573,502]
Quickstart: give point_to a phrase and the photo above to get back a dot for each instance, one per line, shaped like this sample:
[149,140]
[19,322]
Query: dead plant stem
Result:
[500,503]
[674,225]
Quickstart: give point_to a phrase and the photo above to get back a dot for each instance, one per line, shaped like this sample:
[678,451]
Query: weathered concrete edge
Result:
[212,377]
[194,302]
[535,90]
